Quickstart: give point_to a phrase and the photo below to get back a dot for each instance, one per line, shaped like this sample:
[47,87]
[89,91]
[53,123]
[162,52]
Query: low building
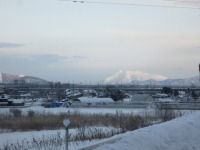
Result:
[4,102]
[160,95]
[88,101]
[88,93]
[96,100]
[73,94]
[142,98]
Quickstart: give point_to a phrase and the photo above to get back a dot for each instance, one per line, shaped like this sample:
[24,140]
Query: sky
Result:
[61,40]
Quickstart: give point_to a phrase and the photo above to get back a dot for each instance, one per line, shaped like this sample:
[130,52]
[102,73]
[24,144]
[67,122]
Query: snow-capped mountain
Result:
[193,81]
[143,78]
[132,76]
[9,78]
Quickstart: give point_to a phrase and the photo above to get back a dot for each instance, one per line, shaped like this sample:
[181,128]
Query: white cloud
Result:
[10,45]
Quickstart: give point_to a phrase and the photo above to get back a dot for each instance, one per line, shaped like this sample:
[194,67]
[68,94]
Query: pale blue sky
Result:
[66,41]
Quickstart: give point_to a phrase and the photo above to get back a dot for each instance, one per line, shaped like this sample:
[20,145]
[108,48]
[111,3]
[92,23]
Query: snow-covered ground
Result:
[182,133]
[57,110]
[21,137]
[179,134]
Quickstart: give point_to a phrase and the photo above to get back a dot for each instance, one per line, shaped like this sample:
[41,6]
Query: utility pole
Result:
[66,123]
[199,73]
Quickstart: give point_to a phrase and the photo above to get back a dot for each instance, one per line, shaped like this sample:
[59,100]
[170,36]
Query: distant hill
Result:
[9,78]
[193,81]
[142,78]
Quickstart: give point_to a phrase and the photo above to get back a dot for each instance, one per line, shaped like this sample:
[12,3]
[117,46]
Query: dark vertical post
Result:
[199,74]
[66,138]
[66,123]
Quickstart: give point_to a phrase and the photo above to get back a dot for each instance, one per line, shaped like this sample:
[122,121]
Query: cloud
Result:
[30,64]
[30,61]
[37,60]
[53,58]
[47,58]
[48,66]
[10,45]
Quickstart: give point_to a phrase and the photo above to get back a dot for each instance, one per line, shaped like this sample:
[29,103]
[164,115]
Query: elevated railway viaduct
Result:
[150,88]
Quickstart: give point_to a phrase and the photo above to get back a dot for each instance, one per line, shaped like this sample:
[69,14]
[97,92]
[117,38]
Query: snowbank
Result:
[179,134]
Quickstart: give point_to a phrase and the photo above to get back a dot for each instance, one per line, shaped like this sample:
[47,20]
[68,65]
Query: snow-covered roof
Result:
[90,91]
[26,95]
[17,101]
[95,100]
[166,100]
[73,92]
[160,95]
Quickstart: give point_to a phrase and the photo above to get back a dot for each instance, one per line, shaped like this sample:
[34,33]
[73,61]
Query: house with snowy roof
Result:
[142,98]
[73,94]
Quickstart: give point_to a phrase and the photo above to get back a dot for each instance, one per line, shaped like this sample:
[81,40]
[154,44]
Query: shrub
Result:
[31,113]
[16,112]
[34,121]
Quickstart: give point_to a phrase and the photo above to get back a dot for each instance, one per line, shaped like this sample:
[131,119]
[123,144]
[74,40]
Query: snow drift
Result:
[179,134]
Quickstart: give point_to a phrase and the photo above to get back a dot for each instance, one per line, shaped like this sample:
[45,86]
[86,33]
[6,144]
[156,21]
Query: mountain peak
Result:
[21,76]
[9,78]
[129,76]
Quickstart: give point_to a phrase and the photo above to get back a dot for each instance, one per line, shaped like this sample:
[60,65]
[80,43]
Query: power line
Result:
[183,1]
[131,4]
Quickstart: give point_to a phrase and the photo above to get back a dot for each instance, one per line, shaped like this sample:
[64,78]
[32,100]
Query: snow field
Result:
[178,134]
[182,133]
[42,110]
[20,137]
